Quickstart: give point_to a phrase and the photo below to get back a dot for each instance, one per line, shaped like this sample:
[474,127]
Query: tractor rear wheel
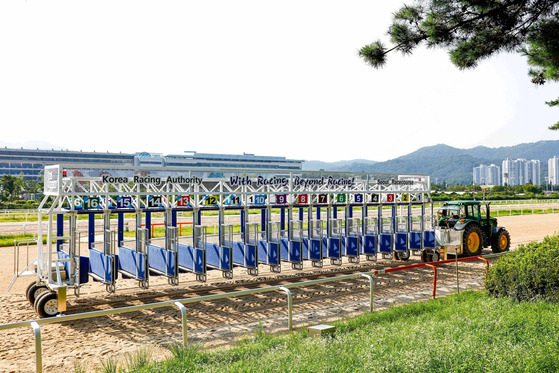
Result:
[501,241]
[472,241]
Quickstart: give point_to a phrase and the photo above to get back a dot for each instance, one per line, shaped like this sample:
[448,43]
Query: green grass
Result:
[470,332]
[8,239]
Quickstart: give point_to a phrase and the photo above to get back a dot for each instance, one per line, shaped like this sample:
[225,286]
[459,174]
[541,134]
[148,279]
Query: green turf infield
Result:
[469,332]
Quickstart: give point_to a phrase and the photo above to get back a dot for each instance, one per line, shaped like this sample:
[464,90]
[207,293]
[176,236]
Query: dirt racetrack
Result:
[218,323]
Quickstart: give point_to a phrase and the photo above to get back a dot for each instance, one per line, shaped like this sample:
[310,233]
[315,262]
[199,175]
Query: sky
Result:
[275,78]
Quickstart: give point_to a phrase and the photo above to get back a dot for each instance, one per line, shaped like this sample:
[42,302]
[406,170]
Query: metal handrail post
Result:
[457,280]
[182,308]
[289,306]
[434,279]
[372,287]
[38,350]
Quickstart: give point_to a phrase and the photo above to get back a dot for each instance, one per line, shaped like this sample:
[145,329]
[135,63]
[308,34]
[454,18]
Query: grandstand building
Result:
[30,163]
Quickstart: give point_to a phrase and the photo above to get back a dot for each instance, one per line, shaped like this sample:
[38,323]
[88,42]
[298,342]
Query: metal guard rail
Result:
[35,324]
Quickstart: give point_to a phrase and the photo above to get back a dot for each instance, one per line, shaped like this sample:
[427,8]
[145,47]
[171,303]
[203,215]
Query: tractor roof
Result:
[462,203]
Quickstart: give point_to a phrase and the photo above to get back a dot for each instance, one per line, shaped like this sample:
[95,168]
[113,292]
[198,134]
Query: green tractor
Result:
[480,229]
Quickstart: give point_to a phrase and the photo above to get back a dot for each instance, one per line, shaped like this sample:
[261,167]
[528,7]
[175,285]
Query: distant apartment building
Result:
[520,172]
[487,175]
[553,170]
[532,172]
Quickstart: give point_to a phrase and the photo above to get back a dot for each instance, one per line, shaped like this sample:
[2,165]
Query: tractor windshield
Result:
[450,212]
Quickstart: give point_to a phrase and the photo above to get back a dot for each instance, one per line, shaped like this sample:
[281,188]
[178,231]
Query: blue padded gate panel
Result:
[157,259]
[401,242]
[244,255]
[251,255]
[415,240]
[315,249]
[385,243]
[162,260]
[324,247]
[129,260]
[226,259]
[186,257]
[239,253]
[284,251]
[273,253]
[352,246]
[369,245]
[84,263]
[212,256]
[263,251]
[100,264]
[429,239]
[305,244]
[295,250]
[334,248]
[172,270]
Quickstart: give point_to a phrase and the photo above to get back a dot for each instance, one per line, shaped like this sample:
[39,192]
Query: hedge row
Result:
[529,273]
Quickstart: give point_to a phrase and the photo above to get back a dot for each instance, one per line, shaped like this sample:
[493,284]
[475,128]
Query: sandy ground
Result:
[217,323]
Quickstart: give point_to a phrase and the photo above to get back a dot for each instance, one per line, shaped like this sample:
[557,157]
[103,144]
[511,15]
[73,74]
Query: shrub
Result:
[529,273]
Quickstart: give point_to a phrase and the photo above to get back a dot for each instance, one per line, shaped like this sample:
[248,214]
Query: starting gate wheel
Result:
[436,256]
[34,291]
[402,255]
[46,305]
[429,255]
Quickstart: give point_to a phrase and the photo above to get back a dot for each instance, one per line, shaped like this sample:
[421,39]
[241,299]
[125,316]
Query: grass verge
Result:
[469,332]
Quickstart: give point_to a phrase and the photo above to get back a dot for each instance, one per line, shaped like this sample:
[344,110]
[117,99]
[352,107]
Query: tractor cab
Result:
[479,228]
[458,214]
[450,214]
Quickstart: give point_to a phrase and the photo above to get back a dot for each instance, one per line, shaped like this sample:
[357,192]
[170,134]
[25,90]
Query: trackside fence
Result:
[180,303]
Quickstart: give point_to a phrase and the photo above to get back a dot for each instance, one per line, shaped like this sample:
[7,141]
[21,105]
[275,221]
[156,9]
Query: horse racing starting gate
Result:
[239,218]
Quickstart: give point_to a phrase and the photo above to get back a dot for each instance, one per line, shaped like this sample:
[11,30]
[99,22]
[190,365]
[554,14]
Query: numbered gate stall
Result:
[163,259]
[245,253]
[269,248]
[291,250]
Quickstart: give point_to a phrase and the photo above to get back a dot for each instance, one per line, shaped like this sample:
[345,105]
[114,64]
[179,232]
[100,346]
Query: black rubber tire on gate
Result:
[46,305]
[34,291]
[472,241]
[501,241]
[402,255]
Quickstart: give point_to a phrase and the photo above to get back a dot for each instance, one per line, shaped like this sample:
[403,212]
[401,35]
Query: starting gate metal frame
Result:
[74,189]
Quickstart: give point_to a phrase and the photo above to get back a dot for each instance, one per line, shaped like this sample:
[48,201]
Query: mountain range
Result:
[446,163]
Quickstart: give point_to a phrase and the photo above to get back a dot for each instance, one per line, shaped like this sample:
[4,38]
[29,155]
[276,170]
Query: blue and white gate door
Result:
[315,240]
[335,239]
[353,237]
[370,235]
[269,250]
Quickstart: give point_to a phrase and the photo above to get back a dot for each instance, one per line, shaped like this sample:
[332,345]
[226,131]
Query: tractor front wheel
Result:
[472,241]
[501,241]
